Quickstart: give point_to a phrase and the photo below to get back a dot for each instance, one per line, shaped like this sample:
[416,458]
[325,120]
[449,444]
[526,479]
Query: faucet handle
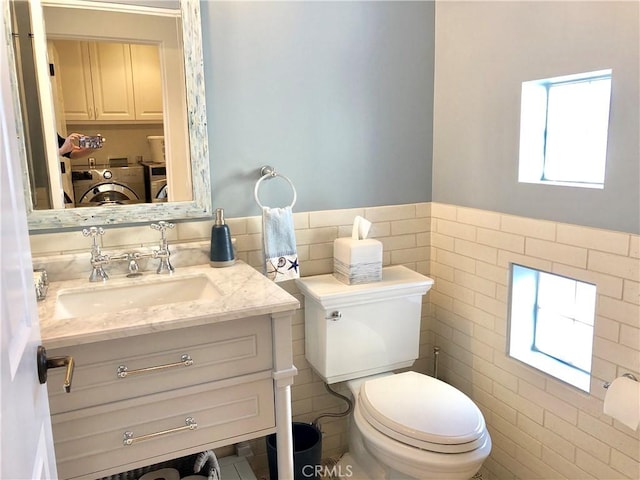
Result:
[93,232]
[162,226]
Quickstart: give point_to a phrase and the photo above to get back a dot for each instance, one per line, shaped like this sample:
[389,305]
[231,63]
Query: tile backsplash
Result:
[540,426]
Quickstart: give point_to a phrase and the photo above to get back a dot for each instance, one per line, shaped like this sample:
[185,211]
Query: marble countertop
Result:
[241,292]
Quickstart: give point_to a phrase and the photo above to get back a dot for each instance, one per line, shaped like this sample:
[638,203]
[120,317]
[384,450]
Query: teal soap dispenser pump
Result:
[221,254]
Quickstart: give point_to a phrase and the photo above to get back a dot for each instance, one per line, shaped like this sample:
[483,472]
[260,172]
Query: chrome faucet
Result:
[134,268]
[98,259]
[132,258]
[163,253]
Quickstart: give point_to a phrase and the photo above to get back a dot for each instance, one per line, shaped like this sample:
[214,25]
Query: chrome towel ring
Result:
[267,172]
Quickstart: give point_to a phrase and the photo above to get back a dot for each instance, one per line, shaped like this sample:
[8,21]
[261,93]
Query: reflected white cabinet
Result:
[105,81]
[147,81]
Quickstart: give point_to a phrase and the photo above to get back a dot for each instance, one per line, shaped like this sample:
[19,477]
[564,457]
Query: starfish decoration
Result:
[294,264]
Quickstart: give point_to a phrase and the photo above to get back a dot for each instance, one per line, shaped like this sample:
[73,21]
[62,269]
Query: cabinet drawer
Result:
[218,351]
[89,442]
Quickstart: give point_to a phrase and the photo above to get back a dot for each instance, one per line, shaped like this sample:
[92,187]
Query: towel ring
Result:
[268,172]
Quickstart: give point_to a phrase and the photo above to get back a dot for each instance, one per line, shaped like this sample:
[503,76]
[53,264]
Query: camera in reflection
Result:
[91,141]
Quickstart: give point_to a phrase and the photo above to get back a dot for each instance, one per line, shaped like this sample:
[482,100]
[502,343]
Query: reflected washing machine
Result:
[108,186]
[155,178]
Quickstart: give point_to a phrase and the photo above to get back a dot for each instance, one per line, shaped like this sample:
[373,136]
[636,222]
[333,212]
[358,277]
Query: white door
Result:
[26,443]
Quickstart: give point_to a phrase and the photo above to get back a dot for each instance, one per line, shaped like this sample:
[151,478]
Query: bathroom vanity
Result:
[204,363]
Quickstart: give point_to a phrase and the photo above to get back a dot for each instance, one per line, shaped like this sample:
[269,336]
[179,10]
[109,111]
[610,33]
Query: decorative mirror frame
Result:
[199,207]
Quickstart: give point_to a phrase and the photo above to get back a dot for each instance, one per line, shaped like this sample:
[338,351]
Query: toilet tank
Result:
[352,331]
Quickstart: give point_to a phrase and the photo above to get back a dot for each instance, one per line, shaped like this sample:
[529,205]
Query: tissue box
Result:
[357,261]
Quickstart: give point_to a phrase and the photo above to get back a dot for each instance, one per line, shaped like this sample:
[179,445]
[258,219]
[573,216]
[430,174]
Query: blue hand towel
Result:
[281,256]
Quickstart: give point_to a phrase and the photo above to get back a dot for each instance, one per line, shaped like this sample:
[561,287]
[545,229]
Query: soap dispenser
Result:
[221,248]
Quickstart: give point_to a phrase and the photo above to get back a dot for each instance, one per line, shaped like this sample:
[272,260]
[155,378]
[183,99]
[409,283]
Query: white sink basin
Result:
[106,298]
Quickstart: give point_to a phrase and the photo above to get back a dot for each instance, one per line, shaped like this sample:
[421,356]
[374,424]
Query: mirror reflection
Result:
[104,85]
[115,74]
[112,91]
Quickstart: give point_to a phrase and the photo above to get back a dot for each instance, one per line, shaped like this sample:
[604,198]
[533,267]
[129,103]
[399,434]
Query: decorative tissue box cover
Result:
[357,261]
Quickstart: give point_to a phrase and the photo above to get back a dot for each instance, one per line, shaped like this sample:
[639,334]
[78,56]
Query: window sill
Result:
[554,368]
[594,186]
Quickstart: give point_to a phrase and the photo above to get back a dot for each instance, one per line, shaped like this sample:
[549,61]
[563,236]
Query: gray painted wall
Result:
[484,51]
[338,96]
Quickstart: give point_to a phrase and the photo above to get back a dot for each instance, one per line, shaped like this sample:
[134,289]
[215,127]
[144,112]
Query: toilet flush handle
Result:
[334,316]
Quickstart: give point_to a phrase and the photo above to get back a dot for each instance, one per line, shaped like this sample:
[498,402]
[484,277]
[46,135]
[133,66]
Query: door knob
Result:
[45,363]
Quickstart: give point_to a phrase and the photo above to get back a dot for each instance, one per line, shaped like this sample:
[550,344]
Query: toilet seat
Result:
[423,412]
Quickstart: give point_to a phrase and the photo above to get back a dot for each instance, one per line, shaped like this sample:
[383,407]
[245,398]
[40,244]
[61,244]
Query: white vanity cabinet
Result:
[143,385]
[106,81]
[163,382]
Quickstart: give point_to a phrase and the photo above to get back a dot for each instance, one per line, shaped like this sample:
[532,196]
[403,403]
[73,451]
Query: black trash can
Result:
[307,452]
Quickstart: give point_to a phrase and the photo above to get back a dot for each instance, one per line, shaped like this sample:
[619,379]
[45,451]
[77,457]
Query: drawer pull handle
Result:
[129,439]
[185,361]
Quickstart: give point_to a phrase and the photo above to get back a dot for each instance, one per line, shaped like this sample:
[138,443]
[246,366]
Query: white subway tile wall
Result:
[541,427]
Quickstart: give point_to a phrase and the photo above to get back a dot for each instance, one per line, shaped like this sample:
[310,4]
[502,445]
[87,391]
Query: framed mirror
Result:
[154,161]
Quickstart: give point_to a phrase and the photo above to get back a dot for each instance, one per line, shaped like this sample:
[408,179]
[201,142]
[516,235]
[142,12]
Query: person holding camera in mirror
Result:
[77,145]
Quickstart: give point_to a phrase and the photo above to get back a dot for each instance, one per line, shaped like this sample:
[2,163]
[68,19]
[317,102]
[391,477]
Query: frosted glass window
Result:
[551,324]
[564,130]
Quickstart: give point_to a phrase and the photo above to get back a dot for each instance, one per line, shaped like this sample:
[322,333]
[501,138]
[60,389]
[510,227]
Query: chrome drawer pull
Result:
[190,424]
[185,361]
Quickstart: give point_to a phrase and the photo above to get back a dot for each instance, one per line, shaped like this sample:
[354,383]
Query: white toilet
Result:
[404,426]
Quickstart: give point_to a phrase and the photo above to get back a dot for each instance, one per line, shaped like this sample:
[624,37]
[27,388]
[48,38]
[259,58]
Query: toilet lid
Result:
[422,411]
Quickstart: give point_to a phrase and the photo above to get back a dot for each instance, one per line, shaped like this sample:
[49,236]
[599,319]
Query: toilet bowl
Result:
[405,425]
[413,426]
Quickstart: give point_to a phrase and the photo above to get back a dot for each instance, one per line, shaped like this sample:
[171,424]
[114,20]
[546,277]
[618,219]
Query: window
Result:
[551,324]
[563,130]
